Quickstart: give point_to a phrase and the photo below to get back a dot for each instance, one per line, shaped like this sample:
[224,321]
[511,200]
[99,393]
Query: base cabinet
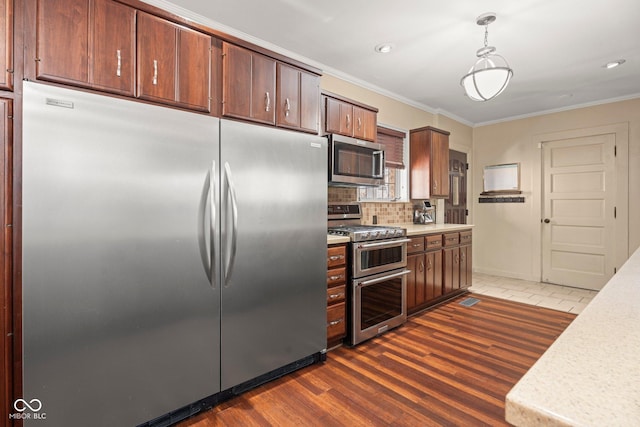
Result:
[336,294]
[440,267]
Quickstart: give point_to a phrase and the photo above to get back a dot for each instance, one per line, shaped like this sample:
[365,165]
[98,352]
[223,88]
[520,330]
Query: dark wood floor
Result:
[452,365]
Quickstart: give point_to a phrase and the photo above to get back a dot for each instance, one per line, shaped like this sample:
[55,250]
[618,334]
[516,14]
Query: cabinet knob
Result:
[547,220]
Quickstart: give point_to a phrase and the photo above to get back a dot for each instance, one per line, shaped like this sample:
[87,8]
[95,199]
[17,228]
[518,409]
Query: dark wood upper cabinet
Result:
[113,66]
[63,41]
[428,163]
[298,98]
[249,83]
[173,63]
[364,124]
[347,118]
[6,47]
[339,117]
[86,43]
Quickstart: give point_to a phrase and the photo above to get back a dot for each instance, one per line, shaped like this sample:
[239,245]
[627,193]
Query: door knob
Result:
[547,220]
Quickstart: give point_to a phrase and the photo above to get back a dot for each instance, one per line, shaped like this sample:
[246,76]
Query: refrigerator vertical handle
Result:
[207,254]
[234,225]
[213,184]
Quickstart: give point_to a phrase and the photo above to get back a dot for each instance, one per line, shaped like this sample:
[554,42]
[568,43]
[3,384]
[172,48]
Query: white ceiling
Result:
[557,49]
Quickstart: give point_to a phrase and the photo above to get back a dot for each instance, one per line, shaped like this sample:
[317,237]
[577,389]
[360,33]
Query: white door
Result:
[578,211]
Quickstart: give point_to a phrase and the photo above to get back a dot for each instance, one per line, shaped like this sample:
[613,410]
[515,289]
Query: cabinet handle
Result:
[287,107]
[416,245]
[457,258]
[267,102]
[334,296]
[429,265]
[340,276]
[421,267]
[435,185]
[335,322]
[335,257]
[359,123]
[119,66]
[348,121]
[462,257]
[155,72]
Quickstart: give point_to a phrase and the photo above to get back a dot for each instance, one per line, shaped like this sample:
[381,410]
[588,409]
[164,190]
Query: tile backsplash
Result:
[386,213]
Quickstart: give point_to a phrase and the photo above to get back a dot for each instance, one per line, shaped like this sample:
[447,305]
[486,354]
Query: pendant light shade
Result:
[491,73]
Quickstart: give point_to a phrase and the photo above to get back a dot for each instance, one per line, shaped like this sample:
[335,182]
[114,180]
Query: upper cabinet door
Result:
[263,89]
[249,82]
[339,117]
[194,69]
[6,47]
[157,40]
[364,124]
[113,41]
[63,40]
[440,164]
[309,102]
[288,108]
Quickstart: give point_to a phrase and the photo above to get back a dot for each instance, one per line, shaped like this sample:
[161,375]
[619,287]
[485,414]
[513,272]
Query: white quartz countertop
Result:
[416,229]
[334,240]
[412,230]
[590,376]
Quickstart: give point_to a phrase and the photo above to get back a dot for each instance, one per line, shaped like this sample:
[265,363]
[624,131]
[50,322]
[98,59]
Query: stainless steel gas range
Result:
[378,260]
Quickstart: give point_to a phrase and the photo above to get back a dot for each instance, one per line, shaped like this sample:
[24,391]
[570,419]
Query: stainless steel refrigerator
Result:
[168,257]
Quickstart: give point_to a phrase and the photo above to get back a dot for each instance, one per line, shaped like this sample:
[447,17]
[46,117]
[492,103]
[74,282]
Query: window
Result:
[395,173]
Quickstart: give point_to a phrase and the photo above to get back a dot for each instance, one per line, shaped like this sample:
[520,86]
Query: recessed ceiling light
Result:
[614,64]
[384,47]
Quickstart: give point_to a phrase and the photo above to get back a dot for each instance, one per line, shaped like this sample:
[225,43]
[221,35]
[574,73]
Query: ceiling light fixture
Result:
[491,73]
[614,64]
[384,48]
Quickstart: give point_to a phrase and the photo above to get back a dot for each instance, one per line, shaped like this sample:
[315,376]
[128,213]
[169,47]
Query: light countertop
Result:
[590,376]
[412,230]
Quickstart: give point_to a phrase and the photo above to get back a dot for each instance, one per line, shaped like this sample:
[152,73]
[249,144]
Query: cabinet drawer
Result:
[415,245]
[433,242]
[336,294]
[336,255]
[465,237]
[451,239]
[336,276]
[336,324]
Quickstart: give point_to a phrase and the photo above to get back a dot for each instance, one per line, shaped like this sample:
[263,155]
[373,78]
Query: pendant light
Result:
[491,73]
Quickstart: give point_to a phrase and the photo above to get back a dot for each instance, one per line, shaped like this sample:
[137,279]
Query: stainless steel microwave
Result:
[354,162]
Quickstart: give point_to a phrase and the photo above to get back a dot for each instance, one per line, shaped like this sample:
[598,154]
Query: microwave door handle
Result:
[384,278]
[380,155]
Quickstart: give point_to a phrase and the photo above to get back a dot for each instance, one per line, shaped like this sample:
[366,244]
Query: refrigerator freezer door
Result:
[274,198]
[120,318]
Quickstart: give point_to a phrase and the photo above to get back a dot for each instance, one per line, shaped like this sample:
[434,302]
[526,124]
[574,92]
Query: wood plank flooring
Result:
[450,366]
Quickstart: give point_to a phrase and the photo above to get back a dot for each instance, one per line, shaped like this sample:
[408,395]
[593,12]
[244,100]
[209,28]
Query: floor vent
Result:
[468,302]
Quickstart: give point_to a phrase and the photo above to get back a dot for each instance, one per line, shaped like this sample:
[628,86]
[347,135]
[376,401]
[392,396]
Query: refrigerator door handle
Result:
[207,249]
[234,225]
[213,184]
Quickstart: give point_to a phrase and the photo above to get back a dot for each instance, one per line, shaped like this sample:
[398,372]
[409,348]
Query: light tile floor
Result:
[562,298]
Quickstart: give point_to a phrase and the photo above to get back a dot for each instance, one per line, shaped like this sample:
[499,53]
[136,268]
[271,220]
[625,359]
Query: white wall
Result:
[507,235]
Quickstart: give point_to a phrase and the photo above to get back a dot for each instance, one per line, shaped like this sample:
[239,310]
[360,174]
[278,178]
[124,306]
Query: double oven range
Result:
[376,297]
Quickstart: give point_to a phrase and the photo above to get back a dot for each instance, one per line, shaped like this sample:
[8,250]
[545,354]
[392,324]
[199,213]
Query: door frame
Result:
[621,175]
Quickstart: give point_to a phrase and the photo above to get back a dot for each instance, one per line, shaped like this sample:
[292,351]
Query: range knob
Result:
[364,235]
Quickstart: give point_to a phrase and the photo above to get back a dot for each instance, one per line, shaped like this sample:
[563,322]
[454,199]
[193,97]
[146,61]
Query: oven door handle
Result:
[382,244]
[382,279]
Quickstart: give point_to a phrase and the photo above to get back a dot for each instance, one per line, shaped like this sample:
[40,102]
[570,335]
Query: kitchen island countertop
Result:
[590,376]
